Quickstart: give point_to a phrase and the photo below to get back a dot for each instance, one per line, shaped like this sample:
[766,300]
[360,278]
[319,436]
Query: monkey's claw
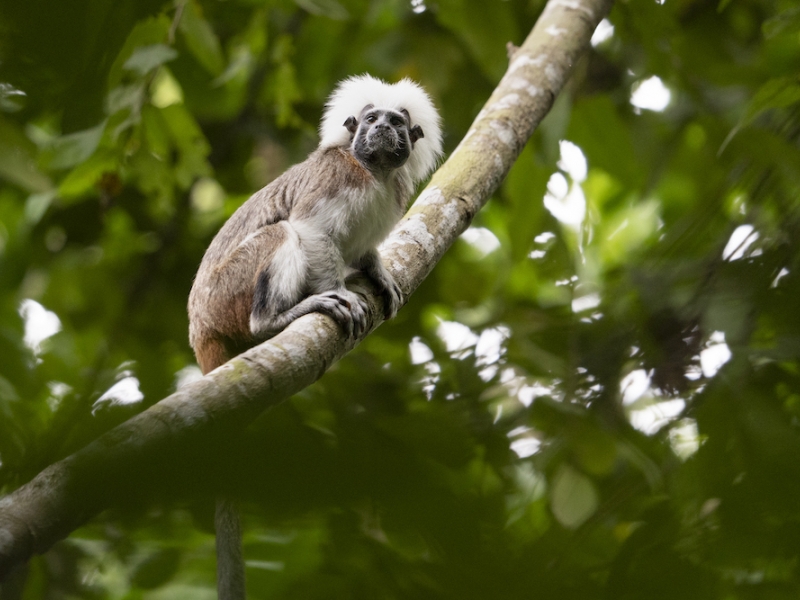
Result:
[392,299]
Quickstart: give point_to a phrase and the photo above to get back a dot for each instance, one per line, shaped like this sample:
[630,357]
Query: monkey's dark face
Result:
[382,139]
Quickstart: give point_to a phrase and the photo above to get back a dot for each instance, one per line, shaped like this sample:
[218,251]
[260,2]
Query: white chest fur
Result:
[354,221]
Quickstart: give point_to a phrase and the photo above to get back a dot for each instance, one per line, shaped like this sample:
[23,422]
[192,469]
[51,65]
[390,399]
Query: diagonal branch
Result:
[68,493]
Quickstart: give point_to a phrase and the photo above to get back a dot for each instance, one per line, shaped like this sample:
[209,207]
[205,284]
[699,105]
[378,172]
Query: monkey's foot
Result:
[346,308]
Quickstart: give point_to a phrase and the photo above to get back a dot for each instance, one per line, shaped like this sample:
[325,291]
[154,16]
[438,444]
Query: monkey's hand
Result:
[391,294]
[370,264]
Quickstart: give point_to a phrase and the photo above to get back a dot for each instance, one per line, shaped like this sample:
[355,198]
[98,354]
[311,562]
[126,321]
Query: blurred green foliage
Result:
[603,404]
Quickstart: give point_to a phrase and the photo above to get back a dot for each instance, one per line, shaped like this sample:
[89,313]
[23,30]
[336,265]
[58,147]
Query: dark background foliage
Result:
[546,417]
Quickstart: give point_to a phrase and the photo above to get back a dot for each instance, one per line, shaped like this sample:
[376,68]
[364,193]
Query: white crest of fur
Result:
[354,93]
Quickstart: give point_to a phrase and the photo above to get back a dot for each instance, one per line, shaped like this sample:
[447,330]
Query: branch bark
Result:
[68,493]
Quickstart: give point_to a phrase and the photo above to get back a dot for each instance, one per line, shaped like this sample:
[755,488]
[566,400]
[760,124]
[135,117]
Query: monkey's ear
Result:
[415,133]
[351,124]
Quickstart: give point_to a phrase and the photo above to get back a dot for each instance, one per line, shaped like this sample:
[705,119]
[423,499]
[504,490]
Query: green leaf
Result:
[125,97]
[328,8]
[145,59]
[573,498]
[199,36]
[165,89]
[191,143]
[788,21]
[627,230]
[147,32]
[17,159]
[780,92]
[156,132]
[36,205]
[83,179]
[72,149]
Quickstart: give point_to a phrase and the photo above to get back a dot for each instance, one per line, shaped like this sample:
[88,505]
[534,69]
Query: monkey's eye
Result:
[370,119]
[397,121]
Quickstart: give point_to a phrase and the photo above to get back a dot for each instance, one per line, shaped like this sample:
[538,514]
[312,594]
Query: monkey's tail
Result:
[230,564]
[211,352]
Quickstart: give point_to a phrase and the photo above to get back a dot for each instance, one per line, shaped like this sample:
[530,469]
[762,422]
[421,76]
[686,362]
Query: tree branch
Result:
[68,493]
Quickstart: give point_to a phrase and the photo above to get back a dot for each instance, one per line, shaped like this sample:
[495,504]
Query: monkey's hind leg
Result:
[282,283]
[342,305]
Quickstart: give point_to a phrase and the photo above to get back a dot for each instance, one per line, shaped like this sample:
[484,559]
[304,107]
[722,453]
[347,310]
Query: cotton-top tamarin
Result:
[285,252]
